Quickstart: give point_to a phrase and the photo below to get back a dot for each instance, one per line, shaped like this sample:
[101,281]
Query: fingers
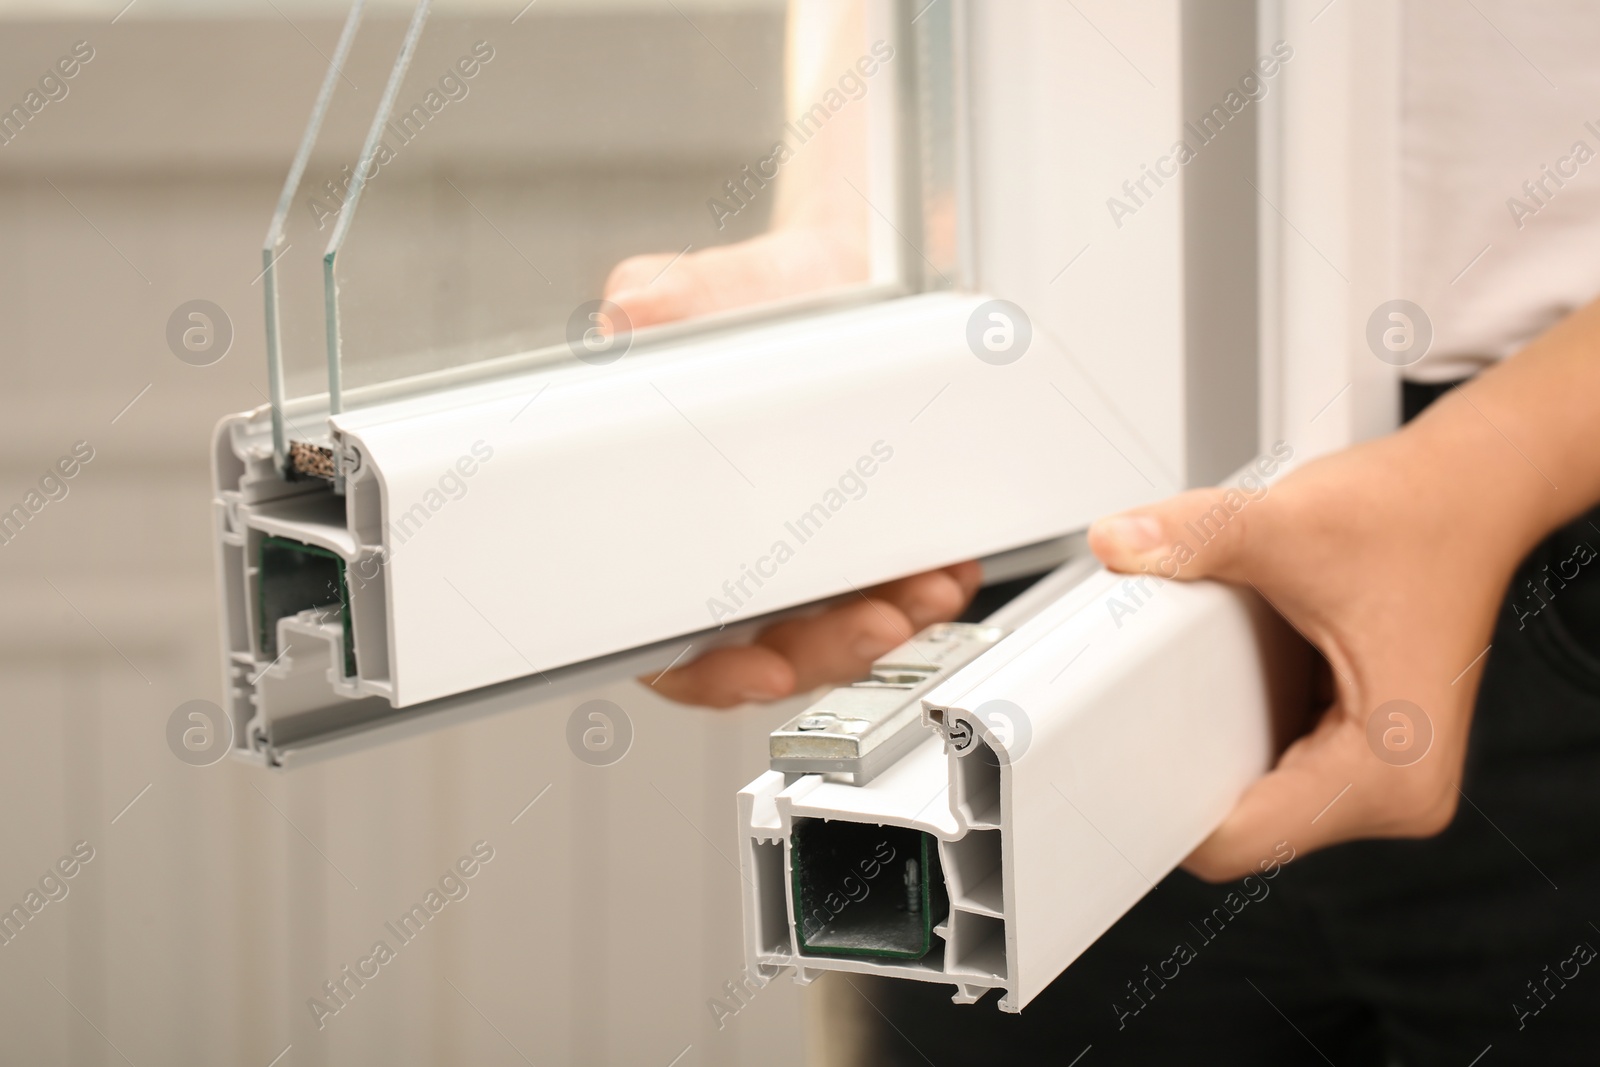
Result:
[648,293]
[834,647]
[1282,810]
[669,287]
[839,645]
[672,298]
[634,272]
[1198,534]
[969,576]
[936,596]
[1328,787]
[725,677]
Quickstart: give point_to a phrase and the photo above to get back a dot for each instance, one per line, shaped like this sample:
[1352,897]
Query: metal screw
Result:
[814,722]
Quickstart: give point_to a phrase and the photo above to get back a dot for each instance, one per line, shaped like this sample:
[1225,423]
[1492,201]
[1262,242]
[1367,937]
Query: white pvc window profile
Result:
[913,190]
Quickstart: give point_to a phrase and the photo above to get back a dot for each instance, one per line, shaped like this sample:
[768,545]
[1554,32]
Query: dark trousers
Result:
[1480,942]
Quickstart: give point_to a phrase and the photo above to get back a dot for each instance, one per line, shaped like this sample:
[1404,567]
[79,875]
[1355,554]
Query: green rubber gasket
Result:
[268,568]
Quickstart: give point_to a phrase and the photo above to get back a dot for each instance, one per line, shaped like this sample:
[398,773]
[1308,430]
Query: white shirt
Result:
[1496,94]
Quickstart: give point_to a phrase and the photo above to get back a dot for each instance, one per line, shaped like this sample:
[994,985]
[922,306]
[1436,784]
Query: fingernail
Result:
[1135,533]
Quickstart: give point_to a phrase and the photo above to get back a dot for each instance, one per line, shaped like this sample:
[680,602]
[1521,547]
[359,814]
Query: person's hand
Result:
[833,647]
[653,289]
[1391,558]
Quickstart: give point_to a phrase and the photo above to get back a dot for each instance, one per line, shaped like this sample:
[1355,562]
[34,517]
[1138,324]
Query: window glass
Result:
[291,256]
[559,180]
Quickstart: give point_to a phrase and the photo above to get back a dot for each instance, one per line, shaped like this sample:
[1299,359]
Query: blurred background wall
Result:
[220,899]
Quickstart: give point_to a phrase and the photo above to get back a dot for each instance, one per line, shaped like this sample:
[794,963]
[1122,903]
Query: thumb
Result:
[649,293]
[648,306]
[1197,534]
[1296,803]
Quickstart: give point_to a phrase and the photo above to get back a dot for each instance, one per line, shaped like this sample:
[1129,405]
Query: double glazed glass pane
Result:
[563,179]
[291,257]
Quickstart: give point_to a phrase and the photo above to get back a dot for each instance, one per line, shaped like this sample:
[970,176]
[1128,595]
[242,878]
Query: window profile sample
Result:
[508,511]
[1047,806]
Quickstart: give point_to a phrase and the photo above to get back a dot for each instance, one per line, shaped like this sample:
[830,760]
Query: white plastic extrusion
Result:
[1103,740]
[504,529]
